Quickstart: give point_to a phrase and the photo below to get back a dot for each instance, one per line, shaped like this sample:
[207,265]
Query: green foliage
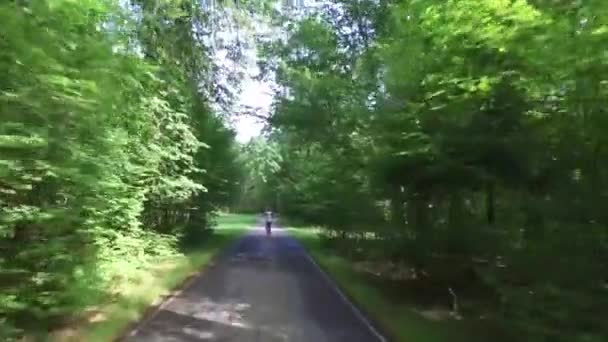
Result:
[443,128]
[261,162]
[398,321]
[104,144]
[167,272]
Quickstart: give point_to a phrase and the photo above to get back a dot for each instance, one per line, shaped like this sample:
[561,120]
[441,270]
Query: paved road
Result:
[263,289]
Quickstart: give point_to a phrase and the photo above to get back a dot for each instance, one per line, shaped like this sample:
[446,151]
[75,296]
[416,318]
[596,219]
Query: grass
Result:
[399,321]
[110,320]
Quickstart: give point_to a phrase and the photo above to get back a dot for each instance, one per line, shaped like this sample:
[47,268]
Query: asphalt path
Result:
[261,289]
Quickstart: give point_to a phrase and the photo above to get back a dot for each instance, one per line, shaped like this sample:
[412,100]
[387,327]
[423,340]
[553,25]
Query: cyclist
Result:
[268,220]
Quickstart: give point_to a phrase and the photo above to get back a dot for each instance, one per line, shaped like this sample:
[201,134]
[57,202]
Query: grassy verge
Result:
[111,319]
[400,321]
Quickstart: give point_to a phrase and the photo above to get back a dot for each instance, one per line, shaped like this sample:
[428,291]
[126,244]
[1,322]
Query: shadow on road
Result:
[262,289]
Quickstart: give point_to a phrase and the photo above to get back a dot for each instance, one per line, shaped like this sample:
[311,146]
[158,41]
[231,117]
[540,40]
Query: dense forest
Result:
[113,146]
[459,140]
[462,140]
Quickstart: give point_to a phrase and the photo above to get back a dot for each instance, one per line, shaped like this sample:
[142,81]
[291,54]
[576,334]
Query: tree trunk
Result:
[455,211]
[397,212]
[457,230]
[421,212]
[418,223]
[490,202]
[595,210]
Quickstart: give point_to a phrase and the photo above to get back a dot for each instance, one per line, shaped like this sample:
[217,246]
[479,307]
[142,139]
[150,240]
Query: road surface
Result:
[262,289]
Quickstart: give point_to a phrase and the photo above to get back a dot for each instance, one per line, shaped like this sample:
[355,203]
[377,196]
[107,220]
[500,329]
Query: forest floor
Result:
[402,312]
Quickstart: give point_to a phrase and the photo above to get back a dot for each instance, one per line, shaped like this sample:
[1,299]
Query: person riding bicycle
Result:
[268,219]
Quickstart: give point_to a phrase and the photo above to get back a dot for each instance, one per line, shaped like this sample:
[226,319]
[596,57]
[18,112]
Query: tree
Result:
[107,142]
[468,143]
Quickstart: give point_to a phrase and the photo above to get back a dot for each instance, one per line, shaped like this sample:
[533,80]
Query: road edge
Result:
[153,310]
[363,318]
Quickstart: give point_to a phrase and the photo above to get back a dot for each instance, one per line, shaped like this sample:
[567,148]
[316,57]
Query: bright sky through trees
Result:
[254,94]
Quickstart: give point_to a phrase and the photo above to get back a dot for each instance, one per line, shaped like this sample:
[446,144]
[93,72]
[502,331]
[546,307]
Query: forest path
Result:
[262,289]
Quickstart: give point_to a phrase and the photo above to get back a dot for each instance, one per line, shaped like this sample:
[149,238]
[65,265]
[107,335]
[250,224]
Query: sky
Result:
[254,94]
